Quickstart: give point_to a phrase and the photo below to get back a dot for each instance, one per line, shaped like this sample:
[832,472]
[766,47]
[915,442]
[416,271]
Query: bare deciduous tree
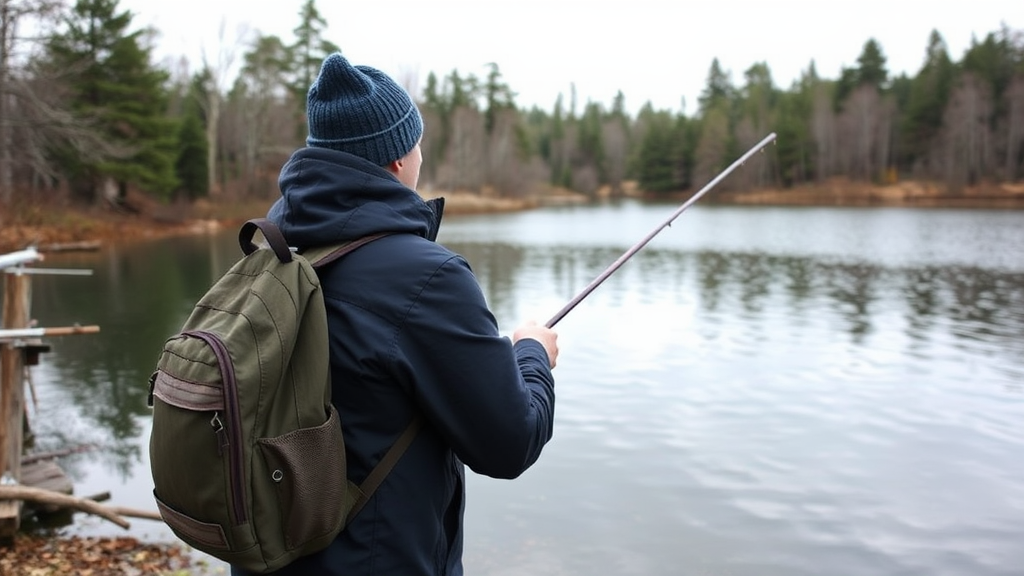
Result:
[217,69]
[464,167]
[823,130]
[432,146]
[866,129]
[40,122]
[505,164]
[615,138]
[966,138]
[1014,128]
[758,172]
[12,87]
[260,125]
[585,179]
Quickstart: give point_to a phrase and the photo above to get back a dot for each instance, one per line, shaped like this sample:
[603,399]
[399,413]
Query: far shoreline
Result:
[62,227]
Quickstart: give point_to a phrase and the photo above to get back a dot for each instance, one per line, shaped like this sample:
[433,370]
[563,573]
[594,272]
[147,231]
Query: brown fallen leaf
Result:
[52,555]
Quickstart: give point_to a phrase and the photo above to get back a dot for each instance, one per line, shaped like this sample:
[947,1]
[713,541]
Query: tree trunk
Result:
[212,123]
[7,25]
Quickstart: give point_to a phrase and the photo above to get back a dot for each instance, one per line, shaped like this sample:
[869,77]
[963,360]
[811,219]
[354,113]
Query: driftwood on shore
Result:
[114,514]
[76,246]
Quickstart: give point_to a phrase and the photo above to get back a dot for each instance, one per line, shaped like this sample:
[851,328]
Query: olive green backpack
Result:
[246,449]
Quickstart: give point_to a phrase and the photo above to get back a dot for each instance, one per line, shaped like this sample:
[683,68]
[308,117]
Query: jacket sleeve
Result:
[493,402]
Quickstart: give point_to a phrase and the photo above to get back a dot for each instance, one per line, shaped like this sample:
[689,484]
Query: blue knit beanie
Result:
[360,110]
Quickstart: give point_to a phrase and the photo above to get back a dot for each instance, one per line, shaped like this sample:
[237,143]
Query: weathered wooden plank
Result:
[48,476]
[10,519]
[16,306]
[22,333]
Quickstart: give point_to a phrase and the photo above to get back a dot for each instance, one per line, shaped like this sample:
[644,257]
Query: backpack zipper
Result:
[234,422]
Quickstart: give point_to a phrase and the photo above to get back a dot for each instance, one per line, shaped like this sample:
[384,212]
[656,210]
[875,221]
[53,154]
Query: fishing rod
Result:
[668,222]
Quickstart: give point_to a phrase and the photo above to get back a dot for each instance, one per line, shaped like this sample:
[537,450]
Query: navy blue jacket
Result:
[410,334]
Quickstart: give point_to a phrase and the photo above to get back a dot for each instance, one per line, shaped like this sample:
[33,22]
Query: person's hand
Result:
[547,337]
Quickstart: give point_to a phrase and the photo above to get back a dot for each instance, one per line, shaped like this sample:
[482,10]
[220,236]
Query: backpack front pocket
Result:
[198,406]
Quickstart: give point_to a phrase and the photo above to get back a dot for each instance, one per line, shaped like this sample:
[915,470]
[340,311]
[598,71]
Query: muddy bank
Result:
[57,227]
[51,227]
[840,192]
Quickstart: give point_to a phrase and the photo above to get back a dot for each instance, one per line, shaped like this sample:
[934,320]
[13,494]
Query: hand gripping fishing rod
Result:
[636,248]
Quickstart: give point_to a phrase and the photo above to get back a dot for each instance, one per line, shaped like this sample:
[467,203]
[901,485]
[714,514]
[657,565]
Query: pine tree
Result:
[462,91]
[718,90]
[561,171]
[718,105]
[498,96]
[996,60]
[871,65]
[870,71]
[929,94]
[432,97]
[116,88]
[263,109]
[191,167]
[794,146]
[309,50]
[656,164]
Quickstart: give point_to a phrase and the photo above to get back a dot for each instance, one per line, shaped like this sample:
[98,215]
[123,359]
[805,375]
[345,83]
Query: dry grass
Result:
[49,224]
[842,192]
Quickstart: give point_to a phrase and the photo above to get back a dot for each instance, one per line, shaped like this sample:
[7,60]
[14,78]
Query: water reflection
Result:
[497,267]
[140,295]
[974,304]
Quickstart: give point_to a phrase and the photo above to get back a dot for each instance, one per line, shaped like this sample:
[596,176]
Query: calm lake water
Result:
[760,391]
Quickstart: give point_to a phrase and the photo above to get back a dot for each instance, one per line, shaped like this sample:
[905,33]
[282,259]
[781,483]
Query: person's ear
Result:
[395,166]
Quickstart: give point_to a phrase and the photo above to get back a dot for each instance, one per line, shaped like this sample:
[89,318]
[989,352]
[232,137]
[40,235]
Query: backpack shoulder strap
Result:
[381,470]
[319,256]
[324,255]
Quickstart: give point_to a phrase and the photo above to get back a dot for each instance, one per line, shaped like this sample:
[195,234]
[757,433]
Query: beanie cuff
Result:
[382,147]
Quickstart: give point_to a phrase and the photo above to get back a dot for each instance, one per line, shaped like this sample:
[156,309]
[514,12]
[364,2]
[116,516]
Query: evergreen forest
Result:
[87,116]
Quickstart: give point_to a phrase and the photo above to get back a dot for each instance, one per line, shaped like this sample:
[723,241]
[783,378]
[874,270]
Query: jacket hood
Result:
[329,196]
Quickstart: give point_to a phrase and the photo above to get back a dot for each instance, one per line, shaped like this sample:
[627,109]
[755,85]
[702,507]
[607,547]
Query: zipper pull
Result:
[221,432]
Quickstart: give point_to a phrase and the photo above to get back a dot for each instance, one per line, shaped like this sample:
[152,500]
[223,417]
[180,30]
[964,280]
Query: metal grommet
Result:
[277,476]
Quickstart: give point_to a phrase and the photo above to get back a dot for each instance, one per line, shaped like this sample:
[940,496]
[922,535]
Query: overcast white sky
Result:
[658,51]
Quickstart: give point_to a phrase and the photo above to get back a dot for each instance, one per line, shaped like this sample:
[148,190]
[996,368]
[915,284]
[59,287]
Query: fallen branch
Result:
[100,497]
[71,246]
[136,513]
[62,500]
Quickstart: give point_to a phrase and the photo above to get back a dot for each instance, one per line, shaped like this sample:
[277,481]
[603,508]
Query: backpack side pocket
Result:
[304,474]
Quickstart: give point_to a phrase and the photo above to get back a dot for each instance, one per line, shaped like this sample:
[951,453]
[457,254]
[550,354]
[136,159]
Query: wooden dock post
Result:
[19,348]
[16,306]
